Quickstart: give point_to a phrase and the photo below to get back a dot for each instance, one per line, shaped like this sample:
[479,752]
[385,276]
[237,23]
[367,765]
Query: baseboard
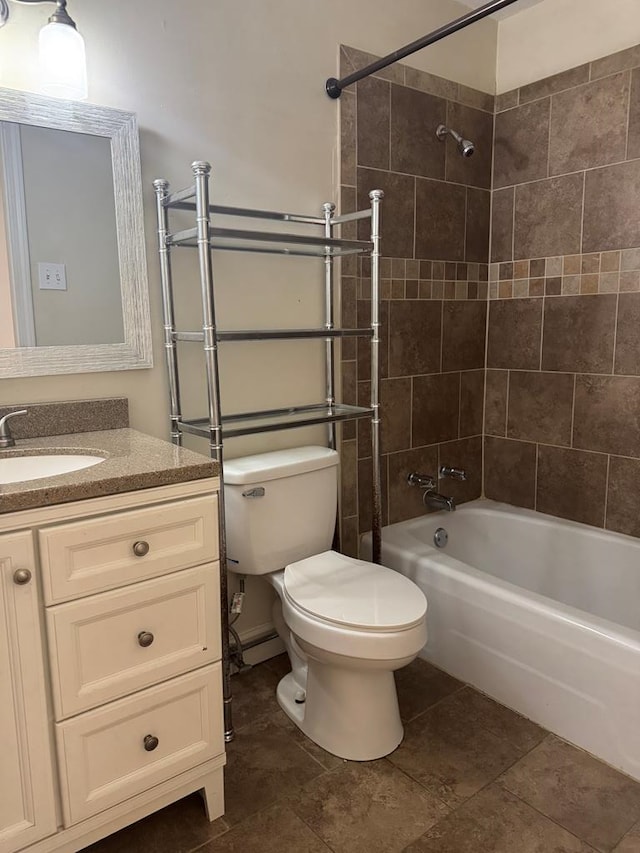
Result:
[264,651]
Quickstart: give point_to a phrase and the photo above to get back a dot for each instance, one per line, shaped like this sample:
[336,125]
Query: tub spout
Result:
[433,500]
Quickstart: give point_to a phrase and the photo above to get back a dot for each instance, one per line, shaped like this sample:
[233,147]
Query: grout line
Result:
[584,202]
[462,687]
[488,304]
[606,492]
[466,222]
[442,339]
[519,370]
[546,816]
[432,93]
[506,404]
[591,79]
[615,334]
[542,313]
[390,126]
[355,140]
[411,412]
[385,458]
[550,118]
[630,80]
[445,143]
[552,177]
[568,447]
[437,180]
[573,407]
[415,217]
[513,232]
[535,481]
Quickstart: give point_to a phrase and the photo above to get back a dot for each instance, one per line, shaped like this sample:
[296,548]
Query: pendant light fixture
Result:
[63,66]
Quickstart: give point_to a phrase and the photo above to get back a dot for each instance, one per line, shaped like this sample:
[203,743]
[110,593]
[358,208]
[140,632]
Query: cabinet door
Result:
[27,802]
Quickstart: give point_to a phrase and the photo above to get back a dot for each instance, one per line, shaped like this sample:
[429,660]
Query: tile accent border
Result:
[405,278]
[566,275]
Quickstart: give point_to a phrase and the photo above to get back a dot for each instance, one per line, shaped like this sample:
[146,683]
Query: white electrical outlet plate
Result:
[52,276]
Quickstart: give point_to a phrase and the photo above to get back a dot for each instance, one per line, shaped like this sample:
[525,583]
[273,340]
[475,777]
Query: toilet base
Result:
[349,713]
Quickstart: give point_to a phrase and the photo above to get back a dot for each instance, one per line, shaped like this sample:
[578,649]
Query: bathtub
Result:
[541,614]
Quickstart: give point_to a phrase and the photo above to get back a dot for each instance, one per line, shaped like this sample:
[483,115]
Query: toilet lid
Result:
[352,592]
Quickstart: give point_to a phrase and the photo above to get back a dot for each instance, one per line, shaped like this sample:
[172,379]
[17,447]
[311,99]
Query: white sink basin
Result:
[17,469]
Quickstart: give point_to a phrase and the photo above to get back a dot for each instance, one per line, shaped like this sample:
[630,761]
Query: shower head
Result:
[465,146]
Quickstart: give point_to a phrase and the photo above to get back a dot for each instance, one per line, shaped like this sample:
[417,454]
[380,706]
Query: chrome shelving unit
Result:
[216,426]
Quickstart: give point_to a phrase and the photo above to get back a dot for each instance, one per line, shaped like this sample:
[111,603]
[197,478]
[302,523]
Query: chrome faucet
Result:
[423,481]
[430,497]
[6,439]
[452,473]
[433,500]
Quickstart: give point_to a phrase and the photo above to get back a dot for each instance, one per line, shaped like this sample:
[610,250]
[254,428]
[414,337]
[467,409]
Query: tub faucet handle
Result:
[452,473]
[423,481]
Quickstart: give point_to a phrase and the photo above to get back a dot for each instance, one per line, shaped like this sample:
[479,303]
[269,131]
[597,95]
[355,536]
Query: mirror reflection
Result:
[59,265]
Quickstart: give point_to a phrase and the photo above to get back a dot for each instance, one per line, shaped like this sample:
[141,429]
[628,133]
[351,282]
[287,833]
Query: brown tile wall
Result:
[553,265]
[434,283]
[562,418]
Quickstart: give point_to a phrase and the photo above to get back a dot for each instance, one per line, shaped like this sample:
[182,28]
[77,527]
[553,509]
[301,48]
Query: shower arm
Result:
[334,87]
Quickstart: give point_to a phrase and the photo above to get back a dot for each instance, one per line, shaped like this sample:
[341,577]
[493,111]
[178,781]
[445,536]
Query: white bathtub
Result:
[540,613]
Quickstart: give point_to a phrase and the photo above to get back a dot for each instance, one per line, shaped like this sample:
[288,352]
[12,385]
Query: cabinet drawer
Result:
[102,755]
[97,554]
[108,645]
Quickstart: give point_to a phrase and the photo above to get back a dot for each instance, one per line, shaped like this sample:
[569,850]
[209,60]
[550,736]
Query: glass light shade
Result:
[63,64]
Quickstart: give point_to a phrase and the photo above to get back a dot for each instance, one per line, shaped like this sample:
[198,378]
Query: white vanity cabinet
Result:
[110,673]
[27,794]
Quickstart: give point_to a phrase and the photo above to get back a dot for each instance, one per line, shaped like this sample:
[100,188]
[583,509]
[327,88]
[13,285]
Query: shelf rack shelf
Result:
[266,242]
[272,420]
[215,426]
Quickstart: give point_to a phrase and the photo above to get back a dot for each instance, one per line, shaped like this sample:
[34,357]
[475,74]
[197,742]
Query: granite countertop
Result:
[133,461]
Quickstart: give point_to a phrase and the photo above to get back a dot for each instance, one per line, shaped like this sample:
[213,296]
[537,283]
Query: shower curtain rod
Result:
[334,87]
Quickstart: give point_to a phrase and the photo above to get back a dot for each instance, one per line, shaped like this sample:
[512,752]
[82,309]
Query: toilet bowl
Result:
[346,624]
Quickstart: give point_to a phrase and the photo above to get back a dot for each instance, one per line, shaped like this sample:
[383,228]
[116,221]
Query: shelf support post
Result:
[376,197]
[329,209]
[162,191]
[201,172]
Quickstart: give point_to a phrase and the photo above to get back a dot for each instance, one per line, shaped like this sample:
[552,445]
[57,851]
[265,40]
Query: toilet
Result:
[346,624]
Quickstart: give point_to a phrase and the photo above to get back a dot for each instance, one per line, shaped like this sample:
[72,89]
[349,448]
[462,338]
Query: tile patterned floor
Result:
[470,777]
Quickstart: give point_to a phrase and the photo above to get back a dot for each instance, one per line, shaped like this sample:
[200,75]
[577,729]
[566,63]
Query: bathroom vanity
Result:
[110,674]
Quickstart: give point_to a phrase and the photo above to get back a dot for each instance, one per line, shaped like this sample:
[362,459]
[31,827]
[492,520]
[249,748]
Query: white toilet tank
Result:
[280,507]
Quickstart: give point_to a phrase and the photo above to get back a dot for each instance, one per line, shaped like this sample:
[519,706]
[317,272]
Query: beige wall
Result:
[240,84]
[556,35]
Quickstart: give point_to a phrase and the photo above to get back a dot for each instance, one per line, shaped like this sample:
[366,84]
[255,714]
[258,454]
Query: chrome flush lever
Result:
[257,492]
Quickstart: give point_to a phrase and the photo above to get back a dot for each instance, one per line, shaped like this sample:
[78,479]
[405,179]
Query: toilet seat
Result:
[312,611]
[353,593]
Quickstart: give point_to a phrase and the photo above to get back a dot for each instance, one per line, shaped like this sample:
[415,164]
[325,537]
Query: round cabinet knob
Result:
[141,549]
[150,742]
[22,576]
[145,638]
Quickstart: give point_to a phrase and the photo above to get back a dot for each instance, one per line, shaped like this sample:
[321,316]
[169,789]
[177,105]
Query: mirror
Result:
[73,278]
